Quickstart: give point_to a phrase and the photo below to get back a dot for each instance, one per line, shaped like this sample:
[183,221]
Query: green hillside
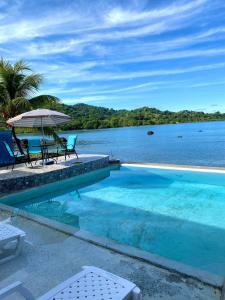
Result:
[91,117]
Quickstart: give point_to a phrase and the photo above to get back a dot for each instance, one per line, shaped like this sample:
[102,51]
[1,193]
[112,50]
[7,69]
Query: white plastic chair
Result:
[90,284]
[8,235]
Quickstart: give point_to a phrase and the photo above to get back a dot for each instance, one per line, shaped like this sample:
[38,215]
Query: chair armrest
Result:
[16,287]
[72,147]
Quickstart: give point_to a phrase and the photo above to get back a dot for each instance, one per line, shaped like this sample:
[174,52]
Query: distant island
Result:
[92,117]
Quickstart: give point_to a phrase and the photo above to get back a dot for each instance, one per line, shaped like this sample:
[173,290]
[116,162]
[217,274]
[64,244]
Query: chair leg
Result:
[136,294]
[15,252]
[20,244]
[16,287]
[76,153]
[29,161]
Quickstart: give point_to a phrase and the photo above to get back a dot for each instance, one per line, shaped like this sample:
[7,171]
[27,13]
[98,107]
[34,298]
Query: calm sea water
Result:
[190,144]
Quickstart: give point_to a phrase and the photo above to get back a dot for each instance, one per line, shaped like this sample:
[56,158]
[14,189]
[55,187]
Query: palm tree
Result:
[18,85]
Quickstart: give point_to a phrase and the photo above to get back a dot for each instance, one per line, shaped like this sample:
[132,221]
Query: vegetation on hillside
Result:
[92,117]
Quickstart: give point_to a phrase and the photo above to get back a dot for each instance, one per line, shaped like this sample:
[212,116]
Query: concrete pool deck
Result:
[23,177]
[51,256]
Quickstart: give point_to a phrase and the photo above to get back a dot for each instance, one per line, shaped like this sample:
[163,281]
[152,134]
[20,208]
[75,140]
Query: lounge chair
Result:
[23,151]
[70,146]
[5,159]
[13,157]
[90,284]
[9,157]
[9,234]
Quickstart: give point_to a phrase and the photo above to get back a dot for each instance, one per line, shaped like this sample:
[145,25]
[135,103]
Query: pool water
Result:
[177,214]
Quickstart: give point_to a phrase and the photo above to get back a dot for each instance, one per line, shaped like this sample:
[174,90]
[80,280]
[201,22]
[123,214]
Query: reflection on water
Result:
[87,142]
[55,209]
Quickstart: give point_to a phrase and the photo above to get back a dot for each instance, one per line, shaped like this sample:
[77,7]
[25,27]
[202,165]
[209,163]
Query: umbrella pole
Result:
[42,130]
[43,144]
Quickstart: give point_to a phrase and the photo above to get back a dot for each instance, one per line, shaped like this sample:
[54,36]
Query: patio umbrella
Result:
[39,118]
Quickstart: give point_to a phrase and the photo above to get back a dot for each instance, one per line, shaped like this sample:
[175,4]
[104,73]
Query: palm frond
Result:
[29,84]
[21,104]
[50,132]
[17,85]
[44,101]
[5,65]
[21,66]
[4,97]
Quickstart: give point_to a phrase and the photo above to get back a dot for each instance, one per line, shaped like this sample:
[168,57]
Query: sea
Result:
[201,144]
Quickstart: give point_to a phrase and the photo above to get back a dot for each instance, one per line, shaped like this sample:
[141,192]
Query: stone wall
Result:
[10,185]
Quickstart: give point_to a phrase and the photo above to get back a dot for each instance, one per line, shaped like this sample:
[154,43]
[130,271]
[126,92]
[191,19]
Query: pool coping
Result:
[184,270]
[204,169]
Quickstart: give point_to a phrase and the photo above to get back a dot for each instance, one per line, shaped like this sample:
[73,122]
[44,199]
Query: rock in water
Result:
[150,132]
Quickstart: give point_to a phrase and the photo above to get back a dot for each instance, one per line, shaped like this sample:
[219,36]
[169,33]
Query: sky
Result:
[121,53]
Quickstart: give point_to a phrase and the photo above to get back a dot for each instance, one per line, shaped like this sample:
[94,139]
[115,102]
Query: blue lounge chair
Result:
[5,136]
[70,146]
[9,157]
[33,145]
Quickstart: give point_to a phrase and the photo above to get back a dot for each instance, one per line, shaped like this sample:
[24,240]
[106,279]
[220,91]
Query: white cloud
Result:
[46,24]
[50,48]
[84,99]
[110,76]
[85,45]
[150,85]
[118,16]
[71,21]
[205,84]
[172,55]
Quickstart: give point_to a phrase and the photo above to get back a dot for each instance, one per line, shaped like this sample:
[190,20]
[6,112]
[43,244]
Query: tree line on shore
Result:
[92,117]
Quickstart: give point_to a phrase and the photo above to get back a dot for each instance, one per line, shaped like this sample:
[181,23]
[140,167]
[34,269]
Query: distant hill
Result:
[91,117]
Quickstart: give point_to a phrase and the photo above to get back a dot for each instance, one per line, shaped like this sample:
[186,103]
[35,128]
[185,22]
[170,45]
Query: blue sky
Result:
[122,54]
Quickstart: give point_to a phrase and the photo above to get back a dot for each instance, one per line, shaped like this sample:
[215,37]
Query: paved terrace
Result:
[23,177]
[50,257]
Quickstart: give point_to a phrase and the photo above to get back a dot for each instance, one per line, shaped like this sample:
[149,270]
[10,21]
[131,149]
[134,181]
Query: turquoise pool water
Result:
[176,214]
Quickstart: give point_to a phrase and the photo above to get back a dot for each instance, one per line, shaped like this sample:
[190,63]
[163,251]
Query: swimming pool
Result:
[177,214]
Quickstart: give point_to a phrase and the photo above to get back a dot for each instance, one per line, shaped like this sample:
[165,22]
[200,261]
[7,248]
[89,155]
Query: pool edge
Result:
[204,169]
[184,270]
